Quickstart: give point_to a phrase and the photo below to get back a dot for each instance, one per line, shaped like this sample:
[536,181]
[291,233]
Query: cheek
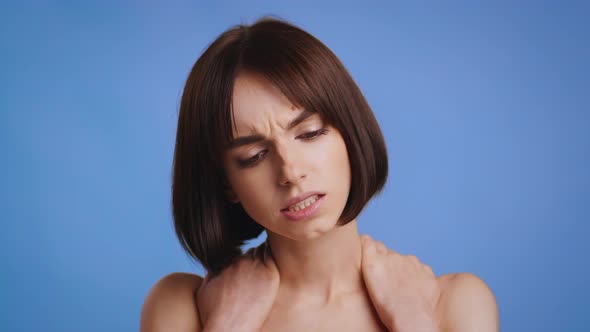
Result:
[338,166]
[253,188]
[257,199]
[337,156]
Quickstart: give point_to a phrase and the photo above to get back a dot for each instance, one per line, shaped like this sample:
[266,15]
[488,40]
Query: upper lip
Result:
[299,198]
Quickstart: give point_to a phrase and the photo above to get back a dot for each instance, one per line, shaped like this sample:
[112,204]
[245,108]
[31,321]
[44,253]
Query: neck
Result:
[319,269]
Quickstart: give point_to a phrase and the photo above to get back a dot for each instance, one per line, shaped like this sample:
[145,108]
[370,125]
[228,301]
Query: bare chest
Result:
[352,314]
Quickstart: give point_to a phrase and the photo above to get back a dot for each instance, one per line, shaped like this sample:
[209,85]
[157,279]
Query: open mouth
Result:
[303,209]
[302,205]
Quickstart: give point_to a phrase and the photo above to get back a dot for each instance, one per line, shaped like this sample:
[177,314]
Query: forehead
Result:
[256,101]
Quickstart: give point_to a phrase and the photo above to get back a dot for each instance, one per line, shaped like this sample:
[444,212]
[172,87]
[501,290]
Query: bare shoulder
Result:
[170,304]
[466,304]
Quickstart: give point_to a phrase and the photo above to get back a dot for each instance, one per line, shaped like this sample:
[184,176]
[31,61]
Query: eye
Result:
[252,161]
[312,135]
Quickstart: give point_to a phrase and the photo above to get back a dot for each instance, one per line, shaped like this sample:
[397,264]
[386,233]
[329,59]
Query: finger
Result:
[392,252]
[206,279]
[369,248]
[250,253]
[261,252]
[381,248]
[365,238]
[429,270]
[264,252]
[414,260]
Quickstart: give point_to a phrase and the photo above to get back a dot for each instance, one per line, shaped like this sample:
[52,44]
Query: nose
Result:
[291,169]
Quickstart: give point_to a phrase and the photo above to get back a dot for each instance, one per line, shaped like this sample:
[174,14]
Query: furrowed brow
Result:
[300,118]
[246,140]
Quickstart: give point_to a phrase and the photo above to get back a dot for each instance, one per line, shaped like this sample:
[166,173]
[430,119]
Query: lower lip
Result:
[305,213]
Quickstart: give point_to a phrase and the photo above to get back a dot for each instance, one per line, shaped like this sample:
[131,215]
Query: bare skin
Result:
[254,279]
[321,277]
[323,288]
[299,303]
[463,302]
[404,291]
[397,293]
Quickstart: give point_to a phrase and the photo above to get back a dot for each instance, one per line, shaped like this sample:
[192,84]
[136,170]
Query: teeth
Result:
[303,204]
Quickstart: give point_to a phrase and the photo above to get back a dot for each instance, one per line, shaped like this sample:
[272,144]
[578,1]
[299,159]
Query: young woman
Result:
[274,135]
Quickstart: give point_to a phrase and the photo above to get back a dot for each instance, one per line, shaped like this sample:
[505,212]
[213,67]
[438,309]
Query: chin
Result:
[313,229]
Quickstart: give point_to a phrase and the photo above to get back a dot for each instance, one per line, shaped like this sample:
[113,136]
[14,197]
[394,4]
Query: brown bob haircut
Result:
[210,227]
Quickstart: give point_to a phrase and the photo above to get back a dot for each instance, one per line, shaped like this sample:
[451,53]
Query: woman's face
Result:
[278,154]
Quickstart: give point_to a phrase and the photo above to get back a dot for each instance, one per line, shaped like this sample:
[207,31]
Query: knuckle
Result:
[372,265]
[413,259]
[393,253]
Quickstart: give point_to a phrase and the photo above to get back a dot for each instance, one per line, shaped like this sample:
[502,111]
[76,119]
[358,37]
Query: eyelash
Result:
[307,137]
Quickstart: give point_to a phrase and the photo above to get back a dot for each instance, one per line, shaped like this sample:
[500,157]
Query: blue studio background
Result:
[484,106]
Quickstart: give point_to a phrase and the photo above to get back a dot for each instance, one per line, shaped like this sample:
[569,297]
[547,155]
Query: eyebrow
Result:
[246,140]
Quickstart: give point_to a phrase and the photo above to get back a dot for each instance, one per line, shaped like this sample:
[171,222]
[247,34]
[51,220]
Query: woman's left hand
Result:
[404,291]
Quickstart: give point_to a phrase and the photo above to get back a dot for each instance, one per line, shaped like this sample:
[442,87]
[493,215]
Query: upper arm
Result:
[170,304]
[467,304]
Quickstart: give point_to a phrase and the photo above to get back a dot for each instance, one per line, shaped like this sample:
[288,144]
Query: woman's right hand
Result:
[241,296]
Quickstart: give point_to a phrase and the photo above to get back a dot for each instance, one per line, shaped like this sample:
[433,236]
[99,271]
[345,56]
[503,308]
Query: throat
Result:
[324,268]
